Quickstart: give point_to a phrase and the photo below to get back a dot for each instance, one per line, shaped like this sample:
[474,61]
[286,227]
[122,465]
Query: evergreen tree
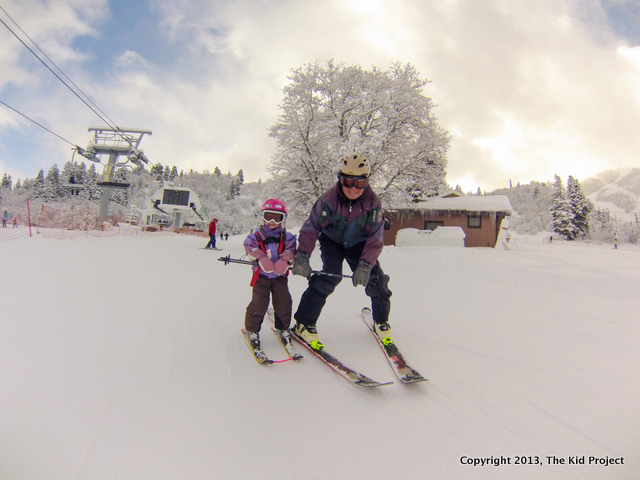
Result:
[561,210]
[6,182]
[38,185]
[234,188]
[217,172]
[157,171]
[173,174]
[52,189]
[580,207]
[92,191]
[120,196]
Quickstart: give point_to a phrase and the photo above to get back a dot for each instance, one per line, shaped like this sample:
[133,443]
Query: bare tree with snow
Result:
[333,110]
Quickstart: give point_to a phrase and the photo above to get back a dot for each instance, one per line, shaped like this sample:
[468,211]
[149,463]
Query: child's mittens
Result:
[265,263]
[281,265]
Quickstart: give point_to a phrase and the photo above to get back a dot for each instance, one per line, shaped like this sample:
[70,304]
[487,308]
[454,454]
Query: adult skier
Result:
[348,221]
[212,234]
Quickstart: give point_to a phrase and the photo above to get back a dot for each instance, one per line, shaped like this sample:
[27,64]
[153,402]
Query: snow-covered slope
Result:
[122,358]
[616,190]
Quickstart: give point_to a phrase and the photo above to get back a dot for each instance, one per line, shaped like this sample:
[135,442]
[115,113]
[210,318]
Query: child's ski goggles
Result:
[270,216]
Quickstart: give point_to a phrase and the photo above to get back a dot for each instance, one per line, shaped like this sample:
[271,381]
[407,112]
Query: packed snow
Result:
[121,357]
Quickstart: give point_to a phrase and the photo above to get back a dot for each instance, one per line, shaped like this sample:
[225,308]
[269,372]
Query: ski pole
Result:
[227,260]
[319,272]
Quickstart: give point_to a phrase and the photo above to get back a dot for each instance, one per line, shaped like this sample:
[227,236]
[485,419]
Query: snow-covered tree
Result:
[157,171]
[335,110]
[38,185]
[580,207]
[603,227]
[561,210]
[52,188]
[92,191]
[235,184]
[6,182]
[120,196]
[532,203]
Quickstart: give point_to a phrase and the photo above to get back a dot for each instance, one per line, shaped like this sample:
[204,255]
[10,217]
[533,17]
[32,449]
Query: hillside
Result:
[616,190]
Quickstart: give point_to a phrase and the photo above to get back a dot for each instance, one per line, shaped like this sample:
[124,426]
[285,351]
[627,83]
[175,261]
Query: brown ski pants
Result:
[276,289]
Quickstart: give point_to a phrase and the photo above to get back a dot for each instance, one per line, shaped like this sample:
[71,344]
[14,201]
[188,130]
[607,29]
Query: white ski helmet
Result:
[355,165]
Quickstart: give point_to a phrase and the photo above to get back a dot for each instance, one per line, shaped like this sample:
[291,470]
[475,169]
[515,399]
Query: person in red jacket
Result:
[212,234]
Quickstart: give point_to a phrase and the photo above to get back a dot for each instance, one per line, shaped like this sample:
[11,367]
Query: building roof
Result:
[467,203]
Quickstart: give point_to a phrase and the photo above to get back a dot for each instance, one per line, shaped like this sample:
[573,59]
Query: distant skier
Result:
[212,234]
[349,222]
[5,217]
[15,222]
[274,248]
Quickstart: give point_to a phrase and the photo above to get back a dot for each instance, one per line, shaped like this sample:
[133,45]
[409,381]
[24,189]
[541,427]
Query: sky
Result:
[526,89]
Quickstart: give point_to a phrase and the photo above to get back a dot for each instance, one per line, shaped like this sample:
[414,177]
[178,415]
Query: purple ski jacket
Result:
[271,241]
[347,222]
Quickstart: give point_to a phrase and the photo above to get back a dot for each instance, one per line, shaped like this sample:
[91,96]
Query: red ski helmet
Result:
[275,205]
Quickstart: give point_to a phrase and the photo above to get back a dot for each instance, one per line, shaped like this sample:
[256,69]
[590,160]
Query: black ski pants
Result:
[321,286]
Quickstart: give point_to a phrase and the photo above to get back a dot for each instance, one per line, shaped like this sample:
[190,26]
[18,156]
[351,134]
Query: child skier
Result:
[274,248]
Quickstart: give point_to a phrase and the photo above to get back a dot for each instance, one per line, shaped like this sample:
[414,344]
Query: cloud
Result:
[527,89]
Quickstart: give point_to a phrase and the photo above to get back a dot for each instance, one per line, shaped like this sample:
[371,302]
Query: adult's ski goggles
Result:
[270,216]
[353,182]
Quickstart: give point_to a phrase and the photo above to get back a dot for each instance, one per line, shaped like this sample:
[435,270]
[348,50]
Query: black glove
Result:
[301,265]
[361,274]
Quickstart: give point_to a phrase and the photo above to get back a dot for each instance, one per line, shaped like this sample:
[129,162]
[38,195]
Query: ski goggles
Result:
[354,182]
[269,216]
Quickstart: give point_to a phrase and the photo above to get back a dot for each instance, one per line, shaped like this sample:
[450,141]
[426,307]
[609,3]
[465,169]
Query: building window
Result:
[432,224]
[474,221]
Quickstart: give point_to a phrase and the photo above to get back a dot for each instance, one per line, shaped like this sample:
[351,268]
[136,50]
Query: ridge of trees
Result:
[224,196]
[540,206]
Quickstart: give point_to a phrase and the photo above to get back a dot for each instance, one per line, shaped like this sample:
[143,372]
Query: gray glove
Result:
[361,274]
[301,265]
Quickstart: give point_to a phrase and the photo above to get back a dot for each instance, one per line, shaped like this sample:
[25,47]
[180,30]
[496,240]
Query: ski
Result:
[285,340]
[339,367]
[258,353]
[403,371]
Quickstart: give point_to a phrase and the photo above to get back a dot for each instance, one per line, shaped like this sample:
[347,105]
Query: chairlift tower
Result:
[116,143]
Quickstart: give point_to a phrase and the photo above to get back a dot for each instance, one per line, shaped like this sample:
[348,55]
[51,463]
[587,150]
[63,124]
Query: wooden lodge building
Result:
[478,216]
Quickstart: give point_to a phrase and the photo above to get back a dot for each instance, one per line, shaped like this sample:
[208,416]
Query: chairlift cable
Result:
[112,125]
[55,65]
[41,126]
